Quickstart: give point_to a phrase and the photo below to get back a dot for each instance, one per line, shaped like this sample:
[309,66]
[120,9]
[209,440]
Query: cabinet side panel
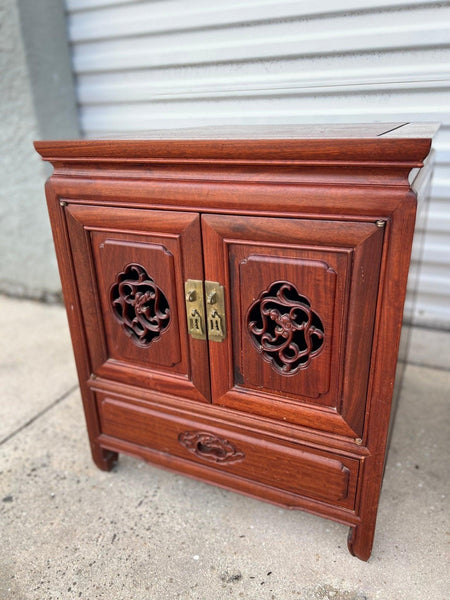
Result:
[104,459]
[395,265]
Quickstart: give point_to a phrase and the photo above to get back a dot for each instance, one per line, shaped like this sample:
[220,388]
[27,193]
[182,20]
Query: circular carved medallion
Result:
[139,305]
[284,329]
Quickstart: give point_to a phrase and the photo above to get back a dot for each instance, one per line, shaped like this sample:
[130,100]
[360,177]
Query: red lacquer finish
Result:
[308,232]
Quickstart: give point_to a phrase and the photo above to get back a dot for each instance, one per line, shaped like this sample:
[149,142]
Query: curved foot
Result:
[104,459]
[360,540]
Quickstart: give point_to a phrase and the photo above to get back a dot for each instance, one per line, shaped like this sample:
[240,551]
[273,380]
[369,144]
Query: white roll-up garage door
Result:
[182,63]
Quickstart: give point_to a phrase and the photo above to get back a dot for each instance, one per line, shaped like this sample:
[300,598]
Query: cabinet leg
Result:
[104,459]
[360,541]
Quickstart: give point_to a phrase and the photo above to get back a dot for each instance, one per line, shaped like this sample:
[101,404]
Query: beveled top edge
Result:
[374,142]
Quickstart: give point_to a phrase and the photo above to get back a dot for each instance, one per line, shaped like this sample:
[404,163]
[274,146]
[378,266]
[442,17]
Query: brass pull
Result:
[215,311]
[195,310]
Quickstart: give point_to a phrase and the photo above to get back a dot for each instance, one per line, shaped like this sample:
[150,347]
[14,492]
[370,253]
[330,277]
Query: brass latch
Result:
[215,311]
[195,308]
[214,323]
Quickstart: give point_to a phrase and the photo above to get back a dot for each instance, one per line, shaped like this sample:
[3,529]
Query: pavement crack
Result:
[38,415]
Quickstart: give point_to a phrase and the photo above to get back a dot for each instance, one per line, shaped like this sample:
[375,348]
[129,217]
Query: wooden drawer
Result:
[285,466]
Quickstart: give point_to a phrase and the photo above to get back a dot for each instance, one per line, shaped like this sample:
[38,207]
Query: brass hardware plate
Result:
[215,311]
[195,308]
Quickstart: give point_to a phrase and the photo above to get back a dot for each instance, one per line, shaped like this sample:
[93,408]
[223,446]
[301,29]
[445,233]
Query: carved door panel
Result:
[130,267]
[298,292]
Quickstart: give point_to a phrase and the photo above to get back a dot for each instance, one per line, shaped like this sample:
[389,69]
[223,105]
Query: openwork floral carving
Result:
[139,305]
[284,329]
[210,447]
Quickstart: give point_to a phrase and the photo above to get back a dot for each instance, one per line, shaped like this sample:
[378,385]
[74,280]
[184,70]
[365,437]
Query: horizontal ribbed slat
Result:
[264,41]
[390,70]
[180,15]
[439,219]
[179,63]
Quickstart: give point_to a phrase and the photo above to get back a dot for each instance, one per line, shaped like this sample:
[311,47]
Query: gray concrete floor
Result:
[68,530]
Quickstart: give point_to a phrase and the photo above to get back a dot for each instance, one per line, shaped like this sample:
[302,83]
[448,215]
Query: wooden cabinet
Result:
[235,302]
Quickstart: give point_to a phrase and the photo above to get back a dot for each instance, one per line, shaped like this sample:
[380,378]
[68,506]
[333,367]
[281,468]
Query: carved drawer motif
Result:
[210,447]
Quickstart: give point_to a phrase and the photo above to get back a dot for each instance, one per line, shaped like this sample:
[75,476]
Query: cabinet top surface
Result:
[283,132]
[358,142]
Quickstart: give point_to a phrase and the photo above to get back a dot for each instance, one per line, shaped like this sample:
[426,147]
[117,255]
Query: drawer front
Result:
[285,466]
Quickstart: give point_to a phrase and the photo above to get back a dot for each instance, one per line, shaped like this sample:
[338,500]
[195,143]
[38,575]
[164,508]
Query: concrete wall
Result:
[36,101]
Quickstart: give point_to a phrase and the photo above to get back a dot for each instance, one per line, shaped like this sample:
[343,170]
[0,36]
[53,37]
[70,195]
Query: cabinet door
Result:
[301,297]
[130,266]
